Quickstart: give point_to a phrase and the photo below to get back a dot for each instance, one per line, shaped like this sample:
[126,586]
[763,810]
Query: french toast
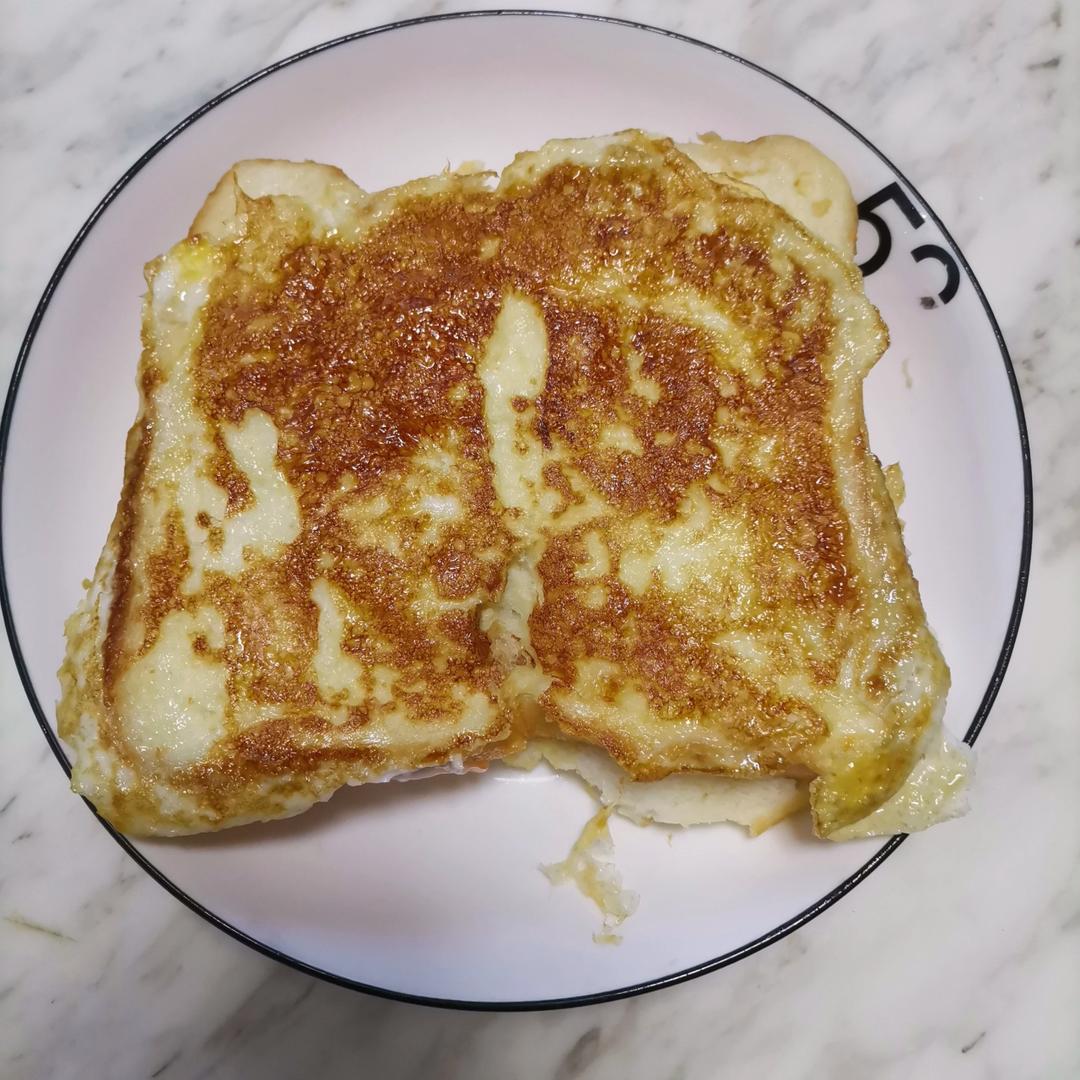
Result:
[574,451]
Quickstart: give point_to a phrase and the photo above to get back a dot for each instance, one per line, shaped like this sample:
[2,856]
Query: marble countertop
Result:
[960,959]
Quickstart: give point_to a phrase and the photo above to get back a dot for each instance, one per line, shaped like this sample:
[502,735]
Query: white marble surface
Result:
[960,958]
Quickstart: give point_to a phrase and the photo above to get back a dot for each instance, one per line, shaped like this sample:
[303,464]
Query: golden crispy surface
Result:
[585,449]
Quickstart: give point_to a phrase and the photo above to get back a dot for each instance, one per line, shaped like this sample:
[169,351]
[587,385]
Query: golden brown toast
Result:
[418,472]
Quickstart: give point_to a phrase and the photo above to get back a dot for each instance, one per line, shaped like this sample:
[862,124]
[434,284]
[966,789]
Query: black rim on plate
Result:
[731,957]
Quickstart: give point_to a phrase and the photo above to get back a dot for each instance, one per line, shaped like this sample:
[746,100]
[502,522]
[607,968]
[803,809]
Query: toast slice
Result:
[719,580]
[288,598]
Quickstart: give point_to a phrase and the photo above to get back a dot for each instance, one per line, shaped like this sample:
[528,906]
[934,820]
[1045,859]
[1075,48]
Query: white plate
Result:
[432,890]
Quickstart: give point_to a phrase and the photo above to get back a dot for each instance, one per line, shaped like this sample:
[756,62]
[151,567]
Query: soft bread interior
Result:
[680,799]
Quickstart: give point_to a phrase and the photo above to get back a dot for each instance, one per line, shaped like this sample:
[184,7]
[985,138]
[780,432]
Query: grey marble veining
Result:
[960,960]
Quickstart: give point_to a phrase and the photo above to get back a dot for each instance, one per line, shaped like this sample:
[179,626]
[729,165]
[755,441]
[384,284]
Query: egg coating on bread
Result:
[417,472]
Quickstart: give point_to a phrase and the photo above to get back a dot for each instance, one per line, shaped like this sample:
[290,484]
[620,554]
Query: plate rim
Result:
[596,997]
